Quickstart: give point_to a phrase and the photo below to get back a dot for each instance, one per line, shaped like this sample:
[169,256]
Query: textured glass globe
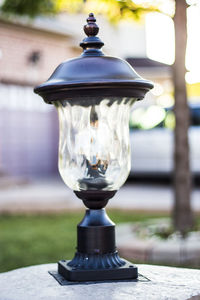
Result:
[94,150]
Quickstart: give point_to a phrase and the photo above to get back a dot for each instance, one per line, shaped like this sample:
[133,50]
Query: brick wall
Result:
[19,44]
[28,126]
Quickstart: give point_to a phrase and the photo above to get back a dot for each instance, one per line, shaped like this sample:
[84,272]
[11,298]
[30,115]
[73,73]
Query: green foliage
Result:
[30,240]
[115,10]
[31,8]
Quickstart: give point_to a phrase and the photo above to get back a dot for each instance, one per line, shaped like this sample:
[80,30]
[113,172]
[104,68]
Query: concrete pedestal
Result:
[35,283]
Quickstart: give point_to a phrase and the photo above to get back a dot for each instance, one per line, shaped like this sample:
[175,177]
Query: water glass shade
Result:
[94,150]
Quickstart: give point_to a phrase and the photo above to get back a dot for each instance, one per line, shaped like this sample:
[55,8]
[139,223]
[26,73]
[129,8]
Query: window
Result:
[195,116]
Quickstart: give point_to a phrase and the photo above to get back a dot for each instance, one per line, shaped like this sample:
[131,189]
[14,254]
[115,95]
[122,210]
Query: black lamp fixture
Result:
[93,95]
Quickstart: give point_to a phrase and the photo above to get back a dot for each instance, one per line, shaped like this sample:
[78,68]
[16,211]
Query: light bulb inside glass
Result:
[94,150]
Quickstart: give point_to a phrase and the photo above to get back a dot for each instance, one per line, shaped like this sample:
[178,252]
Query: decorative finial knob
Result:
[92,43]
[91,28]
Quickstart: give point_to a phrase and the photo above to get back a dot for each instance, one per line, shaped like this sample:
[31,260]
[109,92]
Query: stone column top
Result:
[35,283]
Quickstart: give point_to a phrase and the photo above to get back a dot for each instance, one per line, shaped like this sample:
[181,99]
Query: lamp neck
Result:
[95,199]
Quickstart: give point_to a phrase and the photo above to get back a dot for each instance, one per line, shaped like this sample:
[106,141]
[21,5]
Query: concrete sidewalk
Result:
[52,194]
[154,283]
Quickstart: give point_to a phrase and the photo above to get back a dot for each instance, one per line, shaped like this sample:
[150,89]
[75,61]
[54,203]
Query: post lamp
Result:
[93,95]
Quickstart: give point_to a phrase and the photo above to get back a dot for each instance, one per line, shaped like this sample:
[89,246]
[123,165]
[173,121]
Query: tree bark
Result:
[183,217]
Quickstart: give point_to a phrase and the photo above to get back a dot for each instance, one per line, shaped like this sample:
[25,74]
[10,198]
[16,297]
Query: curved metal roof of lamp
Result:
[93,74]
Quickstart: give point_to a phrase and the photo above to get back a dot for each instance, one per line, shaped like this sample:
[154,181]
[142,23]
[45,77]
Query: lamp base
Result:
[96,258]
[127,271]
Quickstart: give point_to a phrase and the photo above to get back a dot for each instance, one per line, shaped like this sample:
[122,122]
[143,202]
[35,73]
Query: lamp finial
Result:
[91,28]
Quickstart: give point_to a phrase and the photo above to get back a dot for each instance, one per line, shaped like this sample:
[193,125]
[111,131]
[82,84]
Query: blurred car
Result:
[152,141]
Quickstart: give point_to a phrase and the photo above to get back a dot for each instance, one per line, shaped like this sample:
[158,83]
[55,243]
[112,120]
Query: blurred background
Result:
[34,39]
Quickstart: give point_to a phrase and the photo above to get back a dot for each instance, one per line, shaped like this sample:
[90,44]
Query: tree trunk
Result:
[183,218]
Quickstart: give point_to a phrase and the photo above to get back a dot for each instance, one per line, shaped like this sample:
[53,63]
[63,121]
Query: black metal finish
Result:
[127,271]
[96,257]
[95,199]
[91,29]
[62,281]
[93,74]
[96,233]
[96,262]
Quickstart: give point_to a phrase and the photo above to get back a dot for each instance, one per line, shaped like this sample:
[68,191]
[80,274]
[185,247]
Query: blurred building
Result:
[29,52]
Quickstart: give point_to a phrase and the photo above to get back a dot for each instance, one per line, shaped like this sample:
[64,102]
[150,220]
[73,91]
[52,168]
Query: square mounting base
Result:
[127,271]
